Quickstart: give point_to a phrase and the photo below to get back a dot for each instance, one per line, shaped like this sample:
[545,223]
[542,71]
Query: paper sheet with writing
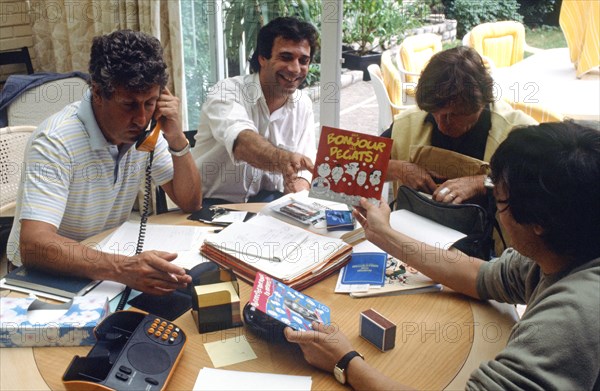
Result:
[181,239]
[274,247]
[224,380]
[424,230]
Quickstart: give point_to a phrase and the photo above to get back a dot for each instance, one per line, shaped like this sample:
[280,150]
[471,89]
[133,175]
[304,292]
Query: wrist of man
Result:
[354,369]
[280,160]
[341,369]
[179,149]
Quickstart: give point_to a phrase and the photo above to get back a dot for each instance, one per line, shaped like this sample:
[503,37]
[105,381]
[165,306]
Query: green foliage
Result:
[545,37]
[372,23]
[534,11]
[314,74]
[469,13]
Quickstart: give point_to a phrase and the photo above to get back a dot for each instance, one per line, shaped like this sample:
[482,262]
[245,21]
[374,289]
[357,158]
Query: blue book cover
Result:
[287,305]
[60,285]
[339,220]
[365,268]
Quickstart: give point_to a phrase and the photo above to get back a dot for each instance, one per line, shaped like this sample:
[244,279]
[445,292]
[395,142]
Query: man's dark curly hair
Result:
[457,77]
[127,58]
[551,173]
[287,27]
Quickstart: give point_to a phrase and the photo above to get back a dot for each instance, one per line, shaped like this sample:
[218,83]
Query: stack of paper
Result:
[290,254]
[181,239]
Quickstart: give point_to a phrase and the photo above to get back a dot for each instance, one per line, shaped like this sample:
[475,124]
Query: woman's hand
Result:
[459,190]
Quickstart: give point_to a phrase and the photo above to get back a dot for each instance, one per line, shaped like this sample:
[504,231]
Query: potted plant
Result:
[371,26]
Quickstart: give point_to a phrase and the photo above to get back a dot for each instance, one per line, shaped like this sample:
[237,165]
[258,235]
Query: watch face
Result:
[339,375]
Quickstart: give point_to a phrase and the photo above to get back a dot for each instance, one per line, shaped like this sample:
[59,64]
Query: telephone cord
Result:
[143,221]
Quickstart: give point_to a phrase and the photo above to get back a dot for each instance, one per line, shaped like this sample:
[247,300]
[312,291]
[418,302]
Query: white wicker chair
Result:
[13,140]
[383,99]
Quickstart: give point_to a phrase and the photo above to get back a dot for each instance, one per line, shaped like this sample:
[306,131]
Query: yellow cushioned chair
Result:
[501,44]
[393,82]
[414,54]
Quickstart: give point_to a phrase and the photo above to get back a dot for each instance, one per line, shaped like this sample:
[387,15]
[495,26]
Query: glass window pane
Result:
[196,55]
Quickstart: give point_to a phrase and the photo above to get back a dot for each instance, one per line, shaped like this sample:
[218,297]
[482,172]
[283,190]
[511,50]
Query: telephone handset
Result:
[148,139]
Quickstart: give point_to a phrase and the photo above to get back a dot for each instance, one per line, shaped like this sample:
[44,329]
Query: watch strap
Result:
[182,152]
[342,365]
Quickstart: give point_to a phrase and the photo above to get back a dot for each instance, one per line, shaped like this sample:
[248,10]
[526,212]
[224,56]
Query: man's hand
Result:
[261,153]
[167,112]
[298,185]
[459,190]
[374,219]
[290,163]
[152,272]
[412,175]
[323,347]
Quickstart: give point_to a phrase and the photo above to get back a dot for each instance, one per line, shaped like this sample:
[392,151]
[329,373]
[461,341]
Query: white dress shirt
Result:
[236,104]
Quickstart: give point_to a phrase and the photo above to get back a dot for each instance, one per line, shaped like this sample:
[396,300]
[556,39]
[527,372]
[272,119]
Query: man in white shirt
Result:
[256,136]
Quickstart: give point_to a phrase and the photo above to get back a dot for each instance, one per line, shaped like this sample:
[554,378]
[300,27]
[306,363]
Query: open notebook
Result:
[290,254]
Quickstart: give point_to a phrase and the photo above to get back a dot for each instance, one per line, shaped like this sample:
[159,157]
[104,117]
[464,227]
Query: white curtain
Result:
[63,32]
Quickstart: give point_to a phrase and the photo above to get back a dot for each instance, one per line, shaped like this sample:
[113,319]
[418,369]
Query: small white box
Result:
[28,322]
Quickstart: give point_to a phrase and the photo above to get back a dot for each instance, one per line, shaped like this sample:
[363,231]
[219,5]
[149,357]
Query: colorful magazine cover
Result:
[350,165]
[287,305]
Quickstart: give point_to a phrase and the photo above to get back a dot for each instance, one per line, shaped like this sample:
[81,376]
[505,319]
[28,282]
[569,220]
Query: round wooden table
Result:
[440,338]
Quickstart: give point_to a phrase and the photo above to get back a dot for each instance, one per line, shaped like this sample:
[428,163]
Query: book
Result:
[350,165]
[287,305]
[60,285]
[292,255]
[339,220]
[365,268]
[399,279]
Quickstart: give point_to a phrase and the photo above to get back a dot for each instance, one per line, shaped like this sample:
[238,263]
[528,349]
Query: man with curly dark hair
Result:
[256,137]
[83,171]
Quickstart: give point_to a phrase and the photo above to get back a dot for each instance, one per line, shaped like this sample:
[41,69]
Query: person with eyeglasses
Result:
[546,183]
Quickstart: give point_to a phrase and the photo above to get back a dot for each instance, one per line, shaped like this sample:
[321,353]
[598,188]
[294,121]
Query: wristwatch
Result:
[182,152]
[339,371]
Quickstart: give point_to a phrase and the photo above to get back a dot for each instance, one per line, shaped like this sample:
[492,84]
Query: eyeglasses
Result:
[503,202]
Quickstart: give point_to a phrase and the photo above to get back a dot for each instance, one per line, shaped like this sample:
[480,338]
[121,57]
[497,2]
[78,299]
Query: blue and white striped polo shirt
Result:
[76,180]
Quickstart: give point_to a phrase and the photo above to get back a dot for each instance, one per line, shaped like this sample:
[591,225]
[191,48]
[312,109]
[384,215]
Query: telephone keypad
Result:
[162,332]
